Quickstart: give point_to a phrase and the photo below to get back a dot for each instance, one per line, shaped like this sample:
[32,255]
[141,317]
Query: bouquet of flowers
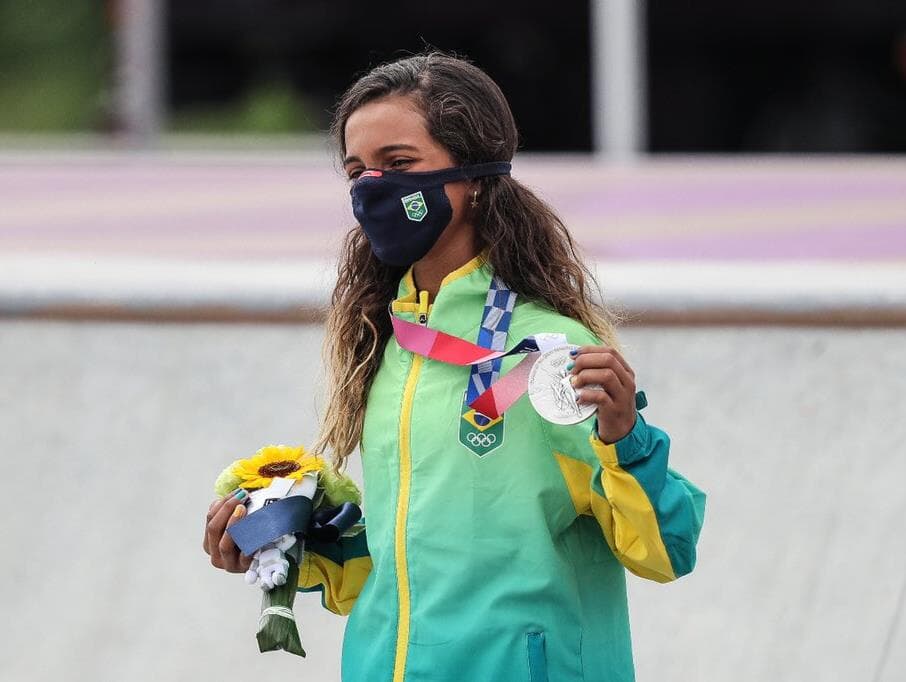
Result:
[292,496]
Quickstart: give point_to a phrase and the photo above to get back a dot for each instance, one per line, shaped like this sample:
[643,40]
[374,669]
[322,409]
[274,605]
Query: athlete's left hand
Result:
[616,402]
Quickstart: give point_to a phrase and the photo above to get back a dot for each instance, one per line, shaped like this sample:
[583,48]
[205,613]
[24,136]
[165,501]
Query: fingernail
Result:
[570,366]
[574,352]
[573,380]
[239,511]
[241,494]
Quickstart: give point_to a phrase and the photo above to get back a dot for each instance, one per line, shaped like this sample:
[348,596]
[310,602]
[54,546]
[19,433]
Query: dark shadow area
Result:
[791,76]
[274,65]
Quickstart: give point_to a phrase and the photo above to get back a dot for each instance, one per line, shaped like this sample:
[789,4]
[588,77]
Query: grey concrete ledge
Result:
[643,292]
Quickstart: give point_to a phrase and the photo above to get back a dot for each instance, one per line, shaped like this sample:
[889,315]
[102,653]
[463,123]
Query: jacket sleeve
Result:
[649,515]
[337,569]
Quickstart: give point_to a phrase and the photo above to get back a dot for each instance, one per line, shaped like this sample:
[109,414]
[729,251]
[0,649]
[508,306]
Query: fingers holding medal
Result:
[613,392]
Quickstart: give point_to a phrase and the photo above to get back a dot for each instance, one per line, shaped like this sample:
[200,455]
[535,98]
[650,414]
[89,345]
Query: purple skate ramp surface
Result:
[241,206]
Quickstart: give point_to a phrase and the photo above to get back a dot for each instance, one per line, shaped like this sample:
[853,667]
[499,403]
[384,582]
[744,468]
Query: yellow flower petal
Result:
[272,461]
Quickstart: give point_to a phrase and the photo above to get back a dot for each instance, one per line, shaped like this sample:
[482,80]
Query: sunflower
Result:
[273,461]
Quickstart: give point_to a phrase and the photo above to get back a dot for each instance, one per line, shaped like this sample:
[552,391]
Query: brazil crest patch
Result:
[415,207]
[480,438]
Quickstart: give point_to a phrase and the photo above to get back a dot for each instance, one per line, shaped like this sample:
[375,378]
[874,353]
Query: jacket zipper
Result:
[402,504]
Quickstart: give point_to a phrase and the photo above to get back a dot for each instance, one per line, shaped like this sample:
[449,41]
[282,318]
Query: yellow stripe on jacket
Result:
[649,515]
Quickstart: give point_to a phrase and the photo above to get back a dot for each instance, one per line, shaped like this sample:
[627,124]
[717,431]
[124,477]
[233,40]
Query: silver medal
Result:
[550,392]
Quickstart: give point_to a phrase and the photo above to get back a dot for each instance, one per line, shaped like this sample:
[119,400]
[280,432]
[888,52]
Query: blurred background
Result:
[170,214]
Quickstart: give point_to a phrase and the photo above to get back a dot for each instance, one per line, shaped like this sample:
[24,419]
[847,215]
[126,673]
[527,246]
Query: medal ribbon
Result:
[495,323]
[496,399]
[443,347]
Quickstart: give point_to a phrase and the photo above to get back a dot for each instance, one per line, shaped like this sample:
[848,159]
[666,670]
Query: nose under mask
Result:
[403,214]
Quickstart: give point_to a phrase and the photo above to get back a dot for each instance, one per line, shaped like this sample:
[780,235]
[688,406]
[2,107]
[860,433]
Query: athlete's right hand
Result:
[222,514]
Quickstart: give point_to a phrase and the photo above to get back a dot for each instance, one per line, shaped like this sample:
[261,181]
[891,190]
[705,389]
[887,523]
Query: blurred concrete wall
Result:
[111,435]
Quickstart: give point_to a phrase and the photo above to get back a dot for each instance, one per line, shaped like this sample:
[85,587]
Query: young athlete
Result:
[496,547]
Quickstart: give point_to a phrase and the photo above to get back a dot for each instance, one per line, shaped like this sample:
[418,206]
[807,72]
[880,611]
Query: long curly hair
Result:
[525,242]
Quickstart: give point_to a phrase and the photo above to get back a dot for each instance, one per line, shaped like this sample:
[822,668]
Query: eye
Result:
[400,164]
[353,174]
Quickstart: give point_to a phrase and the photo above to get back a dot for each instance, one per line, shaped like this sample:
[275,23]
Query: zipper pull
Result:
[423,308]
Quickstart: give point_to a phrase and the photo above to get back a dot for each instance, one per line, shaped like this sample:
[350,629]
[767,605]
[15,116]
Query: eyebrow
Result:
[383,150]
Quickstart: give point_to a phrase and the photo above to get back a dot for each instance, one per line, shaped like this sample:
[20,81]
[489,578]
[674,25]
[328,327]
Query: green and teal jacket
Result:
[496,558]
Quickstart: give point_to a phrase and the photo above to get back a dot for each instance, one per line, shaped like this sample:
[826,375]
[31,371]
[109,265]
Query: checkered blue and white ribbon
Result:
[495,324]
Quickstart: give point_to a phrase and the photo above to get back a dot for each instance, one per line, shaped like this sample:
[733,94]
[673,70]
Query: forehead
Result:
[391,120]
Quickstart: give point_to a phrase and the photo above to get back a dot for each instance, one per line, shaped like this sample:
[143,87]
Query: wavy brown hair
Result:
[526,243]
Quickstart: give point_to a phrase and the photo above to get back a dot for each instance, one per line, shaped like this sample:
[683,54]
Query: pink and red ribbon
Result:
[443,347]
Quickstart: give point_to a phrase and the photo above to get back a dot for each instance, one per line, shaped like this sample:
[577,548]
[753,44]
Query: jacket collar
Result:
[472,277]
[459,305]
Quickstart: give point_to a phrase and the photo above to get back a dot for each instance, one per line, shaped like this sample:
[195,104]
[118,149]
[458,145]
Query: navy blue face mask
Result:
[403,214]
